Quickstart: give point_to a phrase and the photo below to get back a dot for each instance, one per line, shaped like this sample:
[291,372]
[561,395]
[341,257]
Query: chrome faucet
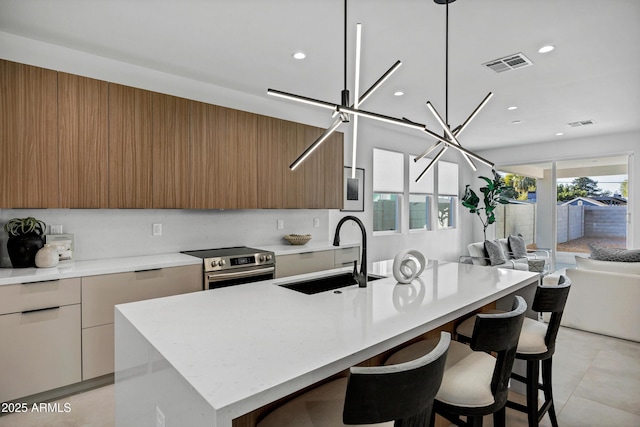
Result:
[361,277]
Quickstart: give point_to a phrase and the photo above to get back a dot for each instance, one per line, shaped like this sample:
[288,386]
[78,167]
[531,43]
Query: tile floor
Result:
[596,384]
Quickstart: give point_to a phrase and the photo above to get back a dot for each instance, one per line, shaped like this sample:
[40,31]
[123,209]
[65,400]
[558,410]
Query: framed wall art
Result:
[353,191]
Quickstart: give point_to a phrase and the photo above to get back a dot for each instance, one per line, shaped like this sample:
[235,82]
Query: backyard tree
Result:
[587,184]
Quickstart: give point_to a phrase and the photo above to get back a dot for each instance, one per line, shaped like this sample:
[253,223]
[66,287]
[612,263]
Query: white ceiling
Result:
[246,45]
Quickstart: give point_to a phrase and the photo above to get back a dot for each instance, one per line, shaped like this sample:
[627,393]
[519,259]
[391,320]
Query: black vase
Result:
[22,249]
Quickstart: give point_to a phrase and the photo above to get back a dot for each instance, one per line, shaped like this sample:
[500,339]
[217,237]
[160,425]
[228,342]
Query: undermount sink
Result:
[322,284]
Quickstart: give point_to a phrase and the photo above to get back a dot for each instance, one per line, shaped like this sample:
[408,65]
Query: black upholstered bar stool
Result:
[400,395]
[536,346]
[475,383]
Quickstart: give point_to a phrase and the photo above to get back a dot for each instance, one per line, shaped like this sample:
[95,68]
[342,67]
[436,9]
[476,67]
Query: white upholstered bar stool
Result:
[400,395]
[536,346]
[475,383]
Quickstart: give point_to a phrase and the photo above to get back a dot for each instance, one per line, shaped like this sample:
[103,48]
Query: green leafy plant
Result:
[492,197]
[23,226]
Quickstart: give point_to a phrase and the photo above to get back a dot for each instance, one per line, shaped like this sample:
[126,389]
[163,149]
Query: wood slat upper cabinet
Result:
[316,183]
[333,151]
[272,165]
[28,137]
[170,152]
[130,147]
[83,135]
[223,158]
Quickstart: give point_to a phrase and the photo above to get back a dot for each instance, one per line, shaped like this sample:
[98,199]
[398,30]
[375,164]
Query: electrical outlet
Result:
[160,420]
[316,222]
[280,224]
[157,230]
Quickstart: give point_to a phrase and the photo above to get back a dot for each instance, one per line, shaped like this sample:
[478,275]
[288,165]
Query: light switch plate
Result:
[280,224]
[157,230]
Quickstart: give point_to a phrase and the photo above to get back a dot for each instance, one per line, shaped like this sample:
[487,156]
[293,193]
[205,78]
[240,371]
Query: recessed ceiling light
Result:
[516,122]
[513,107]
[545,49]
[299,55]
[559,133]
[398,93]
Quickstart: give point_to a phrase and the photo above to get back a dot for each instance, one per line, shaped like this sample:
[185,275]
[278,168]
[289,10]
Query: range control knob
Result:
[214,263]
[222,262]
[262,258]
[268,257]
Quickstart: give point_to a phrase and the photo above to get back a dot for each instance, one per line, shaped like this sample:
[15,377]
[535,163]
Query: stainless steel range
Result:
[235,266]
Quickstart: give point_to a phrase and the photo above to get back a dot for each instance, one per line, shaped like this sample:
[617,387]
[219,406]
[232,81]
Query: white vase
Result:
[47,257]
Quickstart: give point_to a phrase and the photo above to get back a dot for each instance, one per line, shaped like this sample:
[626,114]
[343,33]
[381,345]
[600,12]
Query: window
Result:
[388,186]
[447,194]
[420,194]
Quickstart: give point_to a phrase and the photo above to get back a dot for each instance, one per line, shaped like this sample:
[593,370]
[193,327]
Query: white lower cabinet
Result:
[40,334]
[97,351]
[310,262]
[101,293]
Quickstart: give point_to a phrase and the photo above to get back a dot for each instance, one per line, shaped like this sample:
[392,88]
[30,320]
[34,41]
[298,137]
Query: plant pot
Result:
[23,249]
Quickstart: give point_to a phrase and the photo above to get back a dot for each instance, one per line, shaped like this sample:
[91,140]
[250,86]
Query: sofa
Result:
[604,298]
[534,260]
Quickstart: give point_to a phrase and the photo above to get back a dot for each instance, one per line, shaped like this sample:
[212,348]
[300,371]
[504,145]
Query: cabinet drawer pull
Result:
[44,281]
[150,269]
[40,309]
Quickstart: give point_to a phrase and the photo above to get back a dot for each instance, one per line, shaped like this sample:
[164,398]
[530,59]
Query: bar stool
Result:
[382,394]
[475,383]
[536,346]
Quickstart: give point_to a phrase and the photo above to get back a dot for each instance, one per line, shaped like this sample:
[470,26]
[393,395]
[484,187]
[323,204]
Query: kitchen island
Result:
[207,358]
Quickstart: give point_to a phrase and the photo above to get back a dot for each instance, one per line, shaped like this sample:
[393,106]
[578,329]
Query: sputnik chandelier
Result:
[450,137]
[342,112]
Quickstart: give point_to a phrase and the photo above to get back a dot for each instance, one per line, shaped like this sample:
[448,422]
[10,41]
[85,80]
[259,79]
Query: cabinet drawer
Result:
[97,351]
[344,257]
[40,351]
[101,293]
[308,262]
[32,296]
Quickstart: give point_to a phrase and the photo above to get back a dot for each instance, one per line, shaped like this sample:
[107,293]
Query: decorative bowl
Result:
[297,239]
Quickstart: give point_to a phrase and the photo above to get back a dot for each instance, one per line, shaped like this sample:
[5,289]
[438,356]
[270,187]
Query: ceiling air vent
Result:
[581,123]
[508,63]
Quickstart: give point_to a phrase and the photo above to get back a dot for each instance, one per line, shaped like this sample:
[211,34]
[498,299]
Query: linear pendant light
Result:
[450,138]
[343,111]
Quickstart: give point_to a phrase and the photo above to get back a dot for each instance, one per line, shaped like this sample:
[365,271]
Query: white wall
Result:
[110,233]
[438,244]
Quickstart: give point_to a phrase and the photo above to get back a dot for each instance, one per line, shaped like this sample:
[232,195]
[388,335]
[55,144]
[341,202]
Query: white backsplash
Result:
[110,233]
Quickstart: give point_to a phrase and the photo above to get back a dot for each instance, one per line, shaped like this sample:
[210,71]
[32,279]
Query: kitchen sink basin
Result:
[329,283]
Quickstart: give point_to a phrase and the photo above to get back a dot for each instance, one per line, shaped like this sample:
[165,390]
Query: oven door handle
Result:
[237,274]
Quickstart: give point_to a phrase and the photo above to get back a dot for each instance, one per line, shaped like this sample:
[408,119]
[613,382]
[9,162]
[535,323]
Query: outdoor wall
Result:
[571,223]
[602,221]
[516,219]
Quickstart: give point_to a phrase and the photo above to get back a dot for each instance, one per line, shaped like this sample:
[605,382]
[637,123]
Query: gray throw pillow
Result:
[613,254]
[494,250]
[517,246]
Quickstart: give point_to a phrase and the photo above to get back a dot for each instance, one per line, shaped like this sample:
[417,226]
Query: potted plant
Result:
[25,240]
[493,197]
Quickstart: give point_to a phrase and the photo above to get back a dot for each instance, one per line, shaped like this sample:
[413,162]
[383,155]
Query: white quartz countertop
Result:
[70,269]
[244,346]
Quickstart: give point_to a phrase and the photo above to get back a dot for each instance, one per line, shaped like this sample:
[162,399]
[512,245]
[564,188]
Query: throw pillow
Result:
[494,250]
[517,246]
[613,254]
